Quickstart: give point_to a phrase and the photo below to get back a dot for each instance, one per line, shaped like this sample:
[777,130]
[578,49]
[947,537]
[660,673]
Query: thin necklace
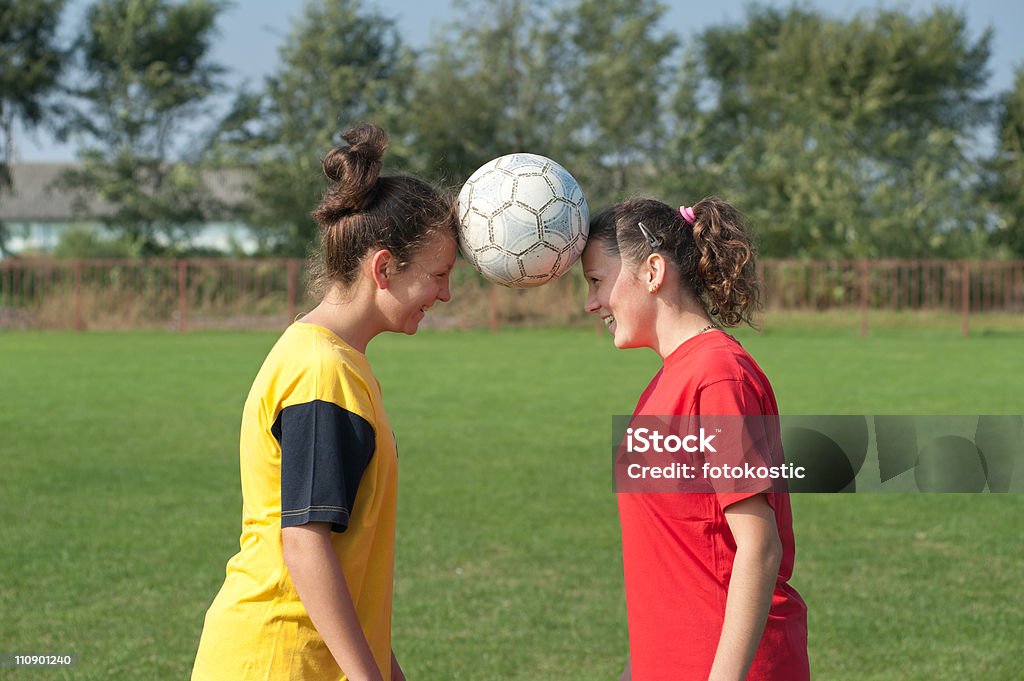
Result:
[705,329]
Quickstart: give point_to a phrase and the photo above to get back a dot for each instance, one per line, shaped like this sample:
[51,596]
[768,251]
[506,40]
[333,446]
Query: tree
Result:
[1006,177]
[31,60]
[619,73]
[492,83]
[145,76]
[841,138]
[341,64]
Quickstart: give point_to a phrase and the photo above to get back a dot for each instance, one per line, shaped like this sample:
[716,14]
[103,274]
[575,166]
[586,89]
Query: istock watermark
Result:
[830,453]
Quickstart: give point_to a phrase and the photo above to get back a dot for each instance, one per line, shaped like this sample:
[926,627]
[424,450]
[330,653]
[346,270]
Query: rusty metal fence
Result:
[267,293]
[954,287]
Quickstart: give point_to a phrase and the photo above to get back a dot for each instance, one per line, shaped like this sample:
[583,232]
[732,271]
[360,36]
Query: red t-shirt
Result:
[677,548]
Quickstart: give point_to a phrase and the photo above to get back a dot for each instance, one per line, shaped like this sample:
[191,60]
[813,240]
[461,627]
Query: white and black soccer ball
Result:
[523,220]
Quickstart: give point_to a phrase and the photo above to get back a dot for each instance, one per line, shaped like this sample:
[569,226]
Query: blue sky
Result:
[251,30]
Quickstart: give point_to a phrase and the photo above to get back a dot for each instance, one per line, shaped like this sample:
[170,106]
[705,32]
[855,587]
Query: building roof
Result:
[36,195]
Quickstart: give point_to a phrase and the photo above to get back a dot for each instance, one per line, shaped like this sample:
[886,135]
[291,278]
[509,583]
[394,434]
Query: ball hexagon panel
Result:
[496,265]
[533,191]
[554,217]
[539,261]
[515,229]
[520,163]
[477,233]
[492,192]
[564,183]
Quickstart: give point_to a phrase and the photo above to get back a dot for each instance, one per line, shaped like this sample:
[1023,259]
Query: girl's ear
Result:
[379,264]
[654,271]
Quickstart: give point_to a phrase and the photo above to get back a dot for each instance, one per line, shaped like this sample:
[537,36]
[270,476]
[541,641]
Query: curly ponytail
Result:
[361,210]
[714,254]
[731,291]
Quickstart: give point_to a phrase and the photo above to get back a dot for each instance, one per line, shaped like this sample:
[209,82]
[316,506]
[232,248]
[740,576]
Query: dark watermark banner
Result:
[740,454]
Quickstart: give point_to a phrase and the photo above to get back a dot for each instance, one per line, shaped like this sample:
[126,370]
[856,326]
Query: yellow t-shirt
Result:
[316,446]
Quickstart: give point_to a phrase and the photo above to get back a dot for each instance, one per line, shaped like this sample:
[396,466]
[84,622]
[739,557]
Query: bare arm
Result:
[321,585]
[754,572]
[396,669]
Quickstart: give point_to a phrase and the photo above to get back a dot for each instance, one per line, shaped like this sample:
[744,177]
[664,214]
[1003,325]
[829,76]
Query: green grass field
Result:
[119,488]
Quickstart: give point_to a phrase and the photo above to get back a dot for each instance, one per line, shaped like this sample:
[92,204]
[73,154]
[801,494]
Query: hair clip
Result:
[688,214]
[654,241]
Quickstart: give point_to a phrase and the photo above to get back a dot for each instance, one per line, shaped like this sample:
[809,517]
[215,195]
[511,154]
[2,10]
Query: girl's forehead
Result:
[439,248]
[595,255]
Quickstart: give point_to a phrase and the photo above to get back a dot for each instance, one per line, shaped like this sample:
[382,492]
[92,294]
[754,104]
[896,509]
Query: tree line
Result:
[863,137]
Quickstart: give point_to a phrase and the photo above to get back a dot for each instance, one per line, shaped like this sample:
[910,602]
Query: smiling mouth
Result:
[608,320]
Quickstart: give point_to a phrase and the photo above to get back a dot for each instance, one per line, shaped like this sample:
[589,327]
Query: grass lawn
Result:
[121,502]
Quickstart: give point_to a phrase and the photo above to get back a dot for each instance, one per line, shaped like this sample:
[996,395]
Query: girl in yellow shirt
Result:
[308,595]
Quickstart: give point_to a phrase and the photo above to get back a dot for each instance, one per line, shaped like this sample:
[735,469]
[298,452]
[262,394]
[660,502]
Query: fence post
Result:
[492,313]
[79,321]
[182,293]
[864,297]
[293,285]
[965,294]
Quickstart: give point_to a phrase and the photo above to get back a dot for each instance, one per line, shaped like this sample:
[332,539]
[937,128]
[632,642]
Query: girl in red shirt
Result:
[706,575]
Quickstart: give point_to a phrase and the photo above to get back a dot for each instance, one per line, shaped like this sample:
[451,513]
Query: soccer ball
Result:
[523,220]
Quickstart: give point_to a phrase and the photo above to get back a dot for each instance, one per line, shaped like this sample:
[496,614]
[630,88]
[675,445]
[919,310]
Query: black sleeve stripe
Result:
[308,509]
[324,451]
[336,516]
